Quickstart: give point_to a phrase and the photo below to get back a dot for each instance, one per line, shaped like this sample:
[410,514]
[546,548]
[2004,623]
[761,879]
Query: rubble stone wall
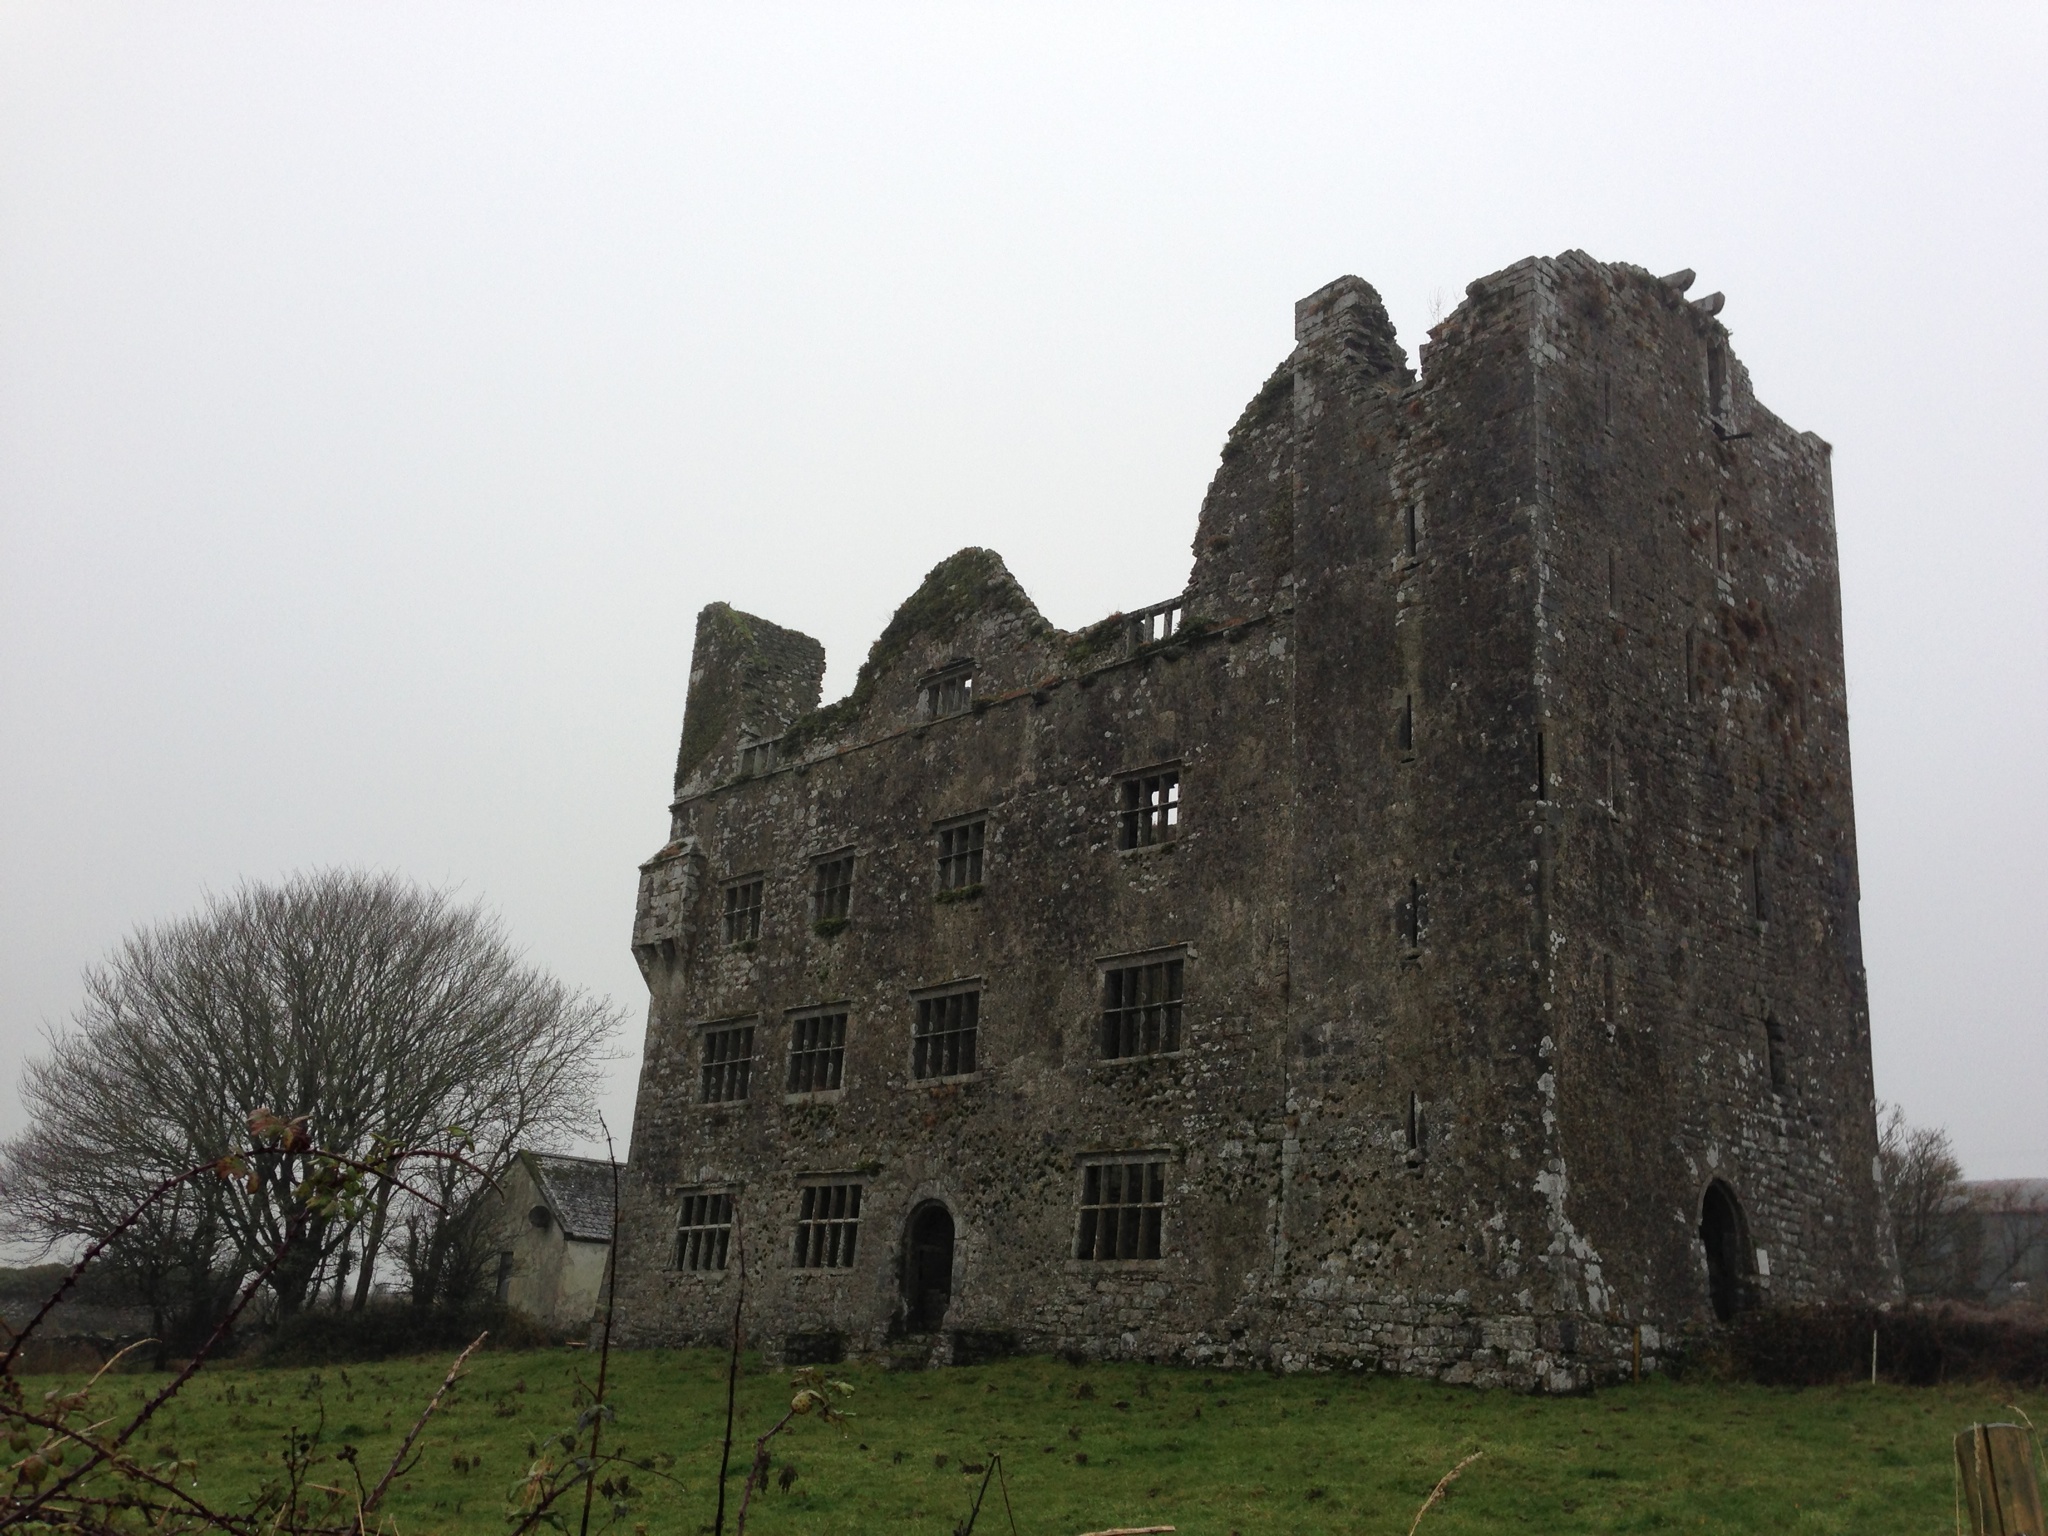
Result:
[1513,889]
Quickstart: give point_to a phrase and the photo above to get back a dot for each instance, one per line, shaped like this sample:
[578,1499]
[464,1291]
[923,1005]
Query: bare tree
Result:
[1923,1191]
[399,1016]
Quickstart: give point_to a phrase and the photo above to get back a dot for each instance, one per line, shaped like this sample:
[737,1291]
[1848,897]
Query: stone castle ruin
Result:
[1428,943]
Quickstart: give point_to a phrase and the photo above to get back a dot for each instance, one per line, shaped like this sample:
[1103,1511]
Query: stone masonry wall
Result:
[1500,699]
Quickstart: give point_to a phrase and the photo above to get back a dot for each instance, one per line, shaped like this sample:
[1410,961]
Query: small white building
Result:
[557,1236]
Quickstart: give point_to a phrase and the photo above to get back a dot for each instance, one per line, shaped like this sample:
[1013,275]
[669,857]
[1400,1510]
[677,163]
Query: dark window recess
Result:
[950,693]
[1141,1009]
[946,1025]
[1418,1127]
[704,1230]
[1774,1042]
[1156,624]
[827,1226]
[832,891]
[728,1056]
[1149,810]
[1414,914]
[960,848]
[743,911]
[1542,764]
[504,1275]
[1759,891]
[1404,729]
[817,1052]
[758,757]
[1121,1206]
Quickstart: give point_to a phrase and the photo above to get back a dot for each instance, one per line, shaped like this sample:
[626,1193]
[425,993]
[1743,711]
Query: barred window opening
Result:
[1141,1009]
[944,1041]
[758,757]
[728,1061]
[950,693]
[743,911]
[960,849]
[827,1226]
[817,1052]
[1150,809]
[704,1230]
[832,894]
[1157,624]
[1122,1203]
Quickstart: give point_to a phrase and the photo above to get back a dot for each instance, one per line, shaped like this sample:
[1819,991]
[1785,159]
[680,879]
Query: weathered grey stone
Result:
[1514,887]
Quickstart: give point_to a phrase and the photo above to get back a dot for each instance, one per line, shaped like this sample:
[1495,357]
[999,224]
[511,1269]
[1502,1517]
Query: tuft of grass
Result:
[1124,1445]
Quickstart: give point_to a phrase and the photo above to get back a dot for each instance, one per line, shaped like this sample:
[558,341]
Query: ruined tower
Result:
[1428,943]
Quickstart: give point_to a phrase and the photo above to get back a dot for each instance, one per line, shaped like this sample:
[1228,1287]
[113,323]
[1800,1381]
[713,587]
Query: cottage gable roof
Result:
[578,1192]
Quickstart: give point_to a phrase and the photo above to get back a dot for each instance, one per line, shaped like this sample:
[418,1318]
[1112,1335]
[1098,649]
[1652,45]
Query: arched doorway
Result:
[1725,1235]
[928,1268]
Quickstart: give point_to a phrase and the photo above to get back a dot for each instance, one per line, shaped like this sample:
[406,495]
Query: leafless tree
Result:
[1923,1192]
[402,1017]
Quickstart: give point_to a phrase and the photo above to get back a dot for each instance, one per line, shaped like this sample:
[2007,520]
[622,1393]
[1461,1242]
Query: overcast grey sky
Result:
[383,388]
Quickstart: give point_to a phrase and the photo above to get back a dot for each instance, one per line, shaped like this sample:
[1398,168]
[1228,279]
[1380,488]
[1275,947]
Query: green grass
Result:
[1095,1446]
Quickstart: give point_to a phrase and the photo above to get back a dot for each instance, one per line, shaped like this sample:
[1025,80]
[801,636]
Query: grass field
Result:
[1094,1446]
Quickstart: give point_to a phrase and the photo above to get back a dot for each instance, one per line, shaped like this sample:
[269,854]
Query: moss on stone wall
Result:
[968,583]
[1274,396]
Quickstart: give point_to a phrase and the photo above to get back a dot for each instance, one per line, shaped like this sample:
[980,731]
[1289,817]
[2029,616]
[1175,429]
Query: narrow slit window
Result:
[1141,1007]
[1418,1126]
[1774,1044]
[946,1027]
[960,851]
[704,1230]
[817,1052]
[743,911]
[1759,894]
[1123,1203]
[1148,809]
[832,888]
[727,1062]
[949,693]
[1404,730]
[1413,915]
[827,1226]
[1542,764]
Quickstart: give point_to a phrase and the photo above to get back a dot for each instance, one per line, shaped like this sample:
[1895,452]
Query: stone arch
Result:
[1731,1265]
[930,1238]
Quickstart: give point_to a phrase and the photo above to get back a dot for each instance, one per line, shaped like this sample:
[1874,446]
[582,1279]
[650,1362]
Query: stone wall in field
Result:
[1428,943]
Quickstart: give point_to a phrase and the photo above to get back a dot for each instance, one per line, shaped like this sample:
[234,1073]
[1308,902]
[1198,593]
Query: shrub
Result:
[1916,1346]
[383,1331]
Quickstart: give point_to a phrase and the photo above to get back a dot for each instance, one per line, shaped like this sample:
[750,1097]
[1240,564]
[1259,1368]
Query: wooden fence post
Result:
[1995,1467]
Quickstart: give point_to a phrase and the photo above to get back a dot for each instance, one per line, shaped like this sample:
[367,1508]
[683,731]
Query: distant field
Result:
[1087,1447]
